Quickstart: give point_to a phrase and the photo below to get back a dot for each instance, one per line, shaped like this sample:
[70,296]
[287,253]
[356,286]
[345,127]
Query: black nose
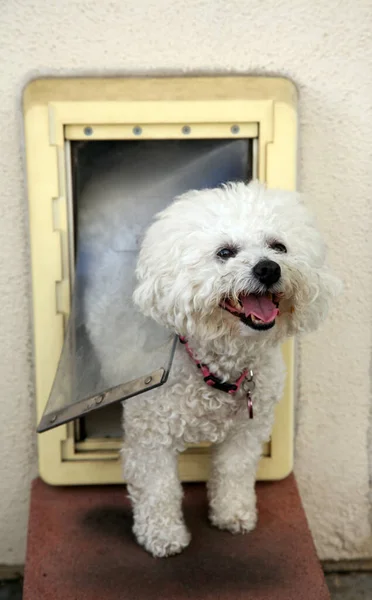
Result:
[267,272]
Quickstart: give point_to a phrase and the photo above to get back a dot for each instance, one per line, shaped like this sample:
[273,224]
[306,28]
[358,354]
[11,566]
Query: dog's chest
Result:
[201,413]
[204,415]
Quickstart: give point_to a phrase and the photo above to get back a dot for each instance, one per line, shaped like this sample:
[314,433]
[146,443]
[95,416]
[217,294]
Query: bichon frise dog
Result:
[233,271]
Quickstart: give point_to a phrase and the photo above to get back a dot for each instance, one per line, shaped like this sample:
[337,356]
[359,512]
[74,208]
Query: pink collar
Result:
[224,386]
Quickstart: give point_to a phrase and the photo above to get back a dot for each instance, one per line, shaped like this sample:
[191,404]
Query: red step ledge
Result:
[80,547]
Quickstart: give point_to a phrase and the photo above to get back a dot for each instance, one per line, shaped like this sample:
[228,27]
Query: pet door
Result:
[103,157]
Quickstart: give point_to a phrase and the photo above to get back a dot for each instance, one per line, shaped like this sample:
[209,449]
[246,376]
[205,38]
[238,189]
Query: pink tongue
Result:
[259,306]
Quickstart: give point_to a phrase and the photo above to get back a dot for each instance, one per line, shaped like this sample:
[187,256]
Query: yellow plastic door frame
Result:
[58,110]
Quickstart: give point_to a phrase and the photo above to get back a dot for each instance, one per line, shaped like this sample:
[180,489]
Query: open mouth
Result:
[258,311]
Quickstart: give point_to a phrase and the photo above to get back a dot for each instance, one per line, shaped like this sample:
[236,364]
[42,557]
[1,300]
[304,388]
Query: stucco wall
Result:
[326,48]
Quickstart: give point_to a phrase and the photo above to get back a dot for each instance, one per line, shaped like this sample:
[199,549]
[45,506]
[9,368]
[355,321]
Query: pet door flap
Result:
[111,352]
[80,385]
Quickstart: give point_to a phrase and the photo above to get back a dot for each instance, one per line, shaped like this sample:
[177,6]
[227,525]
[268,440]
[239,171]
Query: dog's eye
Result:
[227,252]
[278,247]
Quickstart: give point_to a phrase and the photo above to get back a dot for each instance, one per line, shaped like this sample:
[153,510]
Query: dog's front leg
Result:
[156,494]
[231,488]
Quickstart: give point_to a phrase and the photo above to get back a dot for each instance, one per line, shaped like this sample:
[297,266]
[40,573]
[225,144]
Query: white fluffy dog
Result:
[234,271]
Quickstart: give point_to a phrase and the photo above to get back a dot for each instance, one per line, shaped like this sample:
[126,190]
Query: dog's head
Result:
[239,260]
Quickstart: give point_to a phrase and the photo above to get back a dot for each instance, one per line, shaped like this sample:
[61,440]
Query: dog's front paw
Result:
[162,541]
[239,520]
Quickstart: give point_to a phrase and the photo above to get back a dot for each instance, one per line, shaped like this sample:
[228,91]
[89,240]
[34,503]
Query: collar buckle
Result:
[249,383]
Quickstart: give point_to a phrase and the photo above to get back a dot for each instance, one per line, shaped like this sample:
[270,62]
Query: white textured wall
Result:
[325,46]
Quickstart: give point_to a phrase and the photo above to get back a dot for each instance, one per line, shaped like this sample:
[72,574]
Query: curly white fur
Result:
[181,283]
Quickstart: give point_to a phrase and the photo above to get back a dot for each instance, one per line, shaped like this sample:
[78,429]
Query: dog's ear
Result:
[330,287]
[148,296]
[322,292]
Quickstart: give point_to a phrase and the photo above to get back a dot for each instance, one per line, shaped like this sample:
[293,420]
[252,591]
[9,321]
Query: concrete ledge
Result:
[80,547]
